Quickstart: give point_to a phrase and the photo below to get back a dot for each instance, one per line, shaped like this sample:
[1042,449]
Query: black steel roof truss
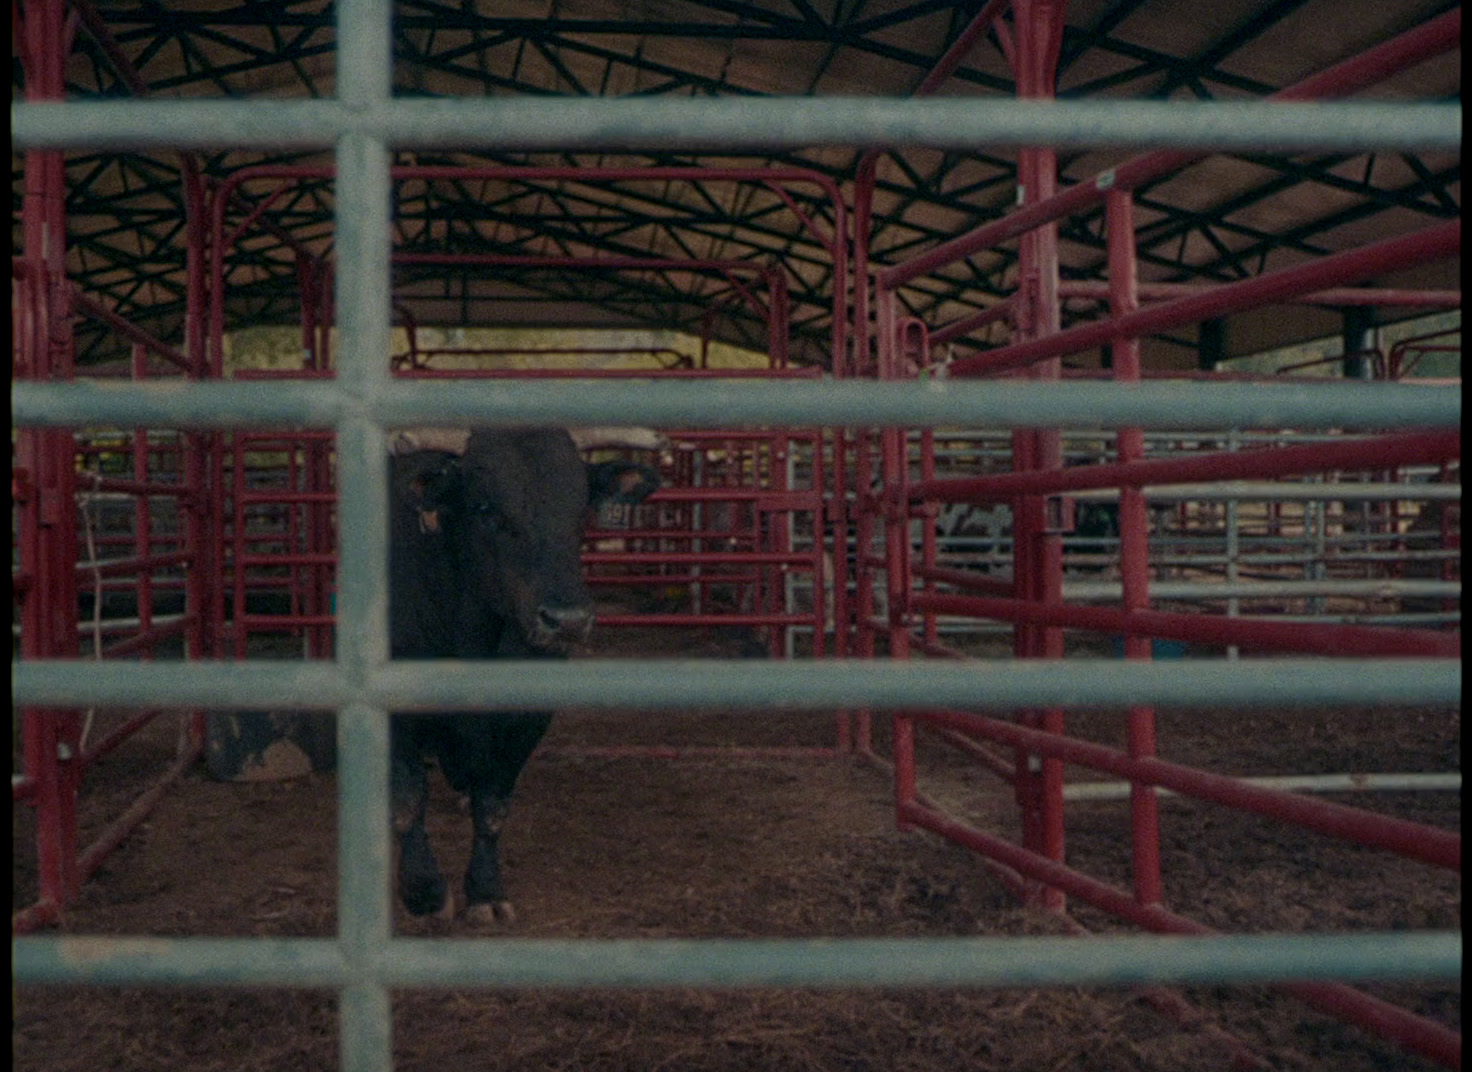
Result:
[1204,65]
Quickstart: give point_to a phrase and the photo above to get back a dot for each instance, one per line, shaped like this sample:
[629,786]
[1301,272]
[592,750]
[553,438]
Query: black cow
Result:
[1095,531]
[484,563]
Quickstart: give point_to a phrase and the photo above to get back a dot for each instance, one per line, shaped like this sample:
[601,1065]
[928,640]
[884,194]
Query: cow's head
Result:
[511,510]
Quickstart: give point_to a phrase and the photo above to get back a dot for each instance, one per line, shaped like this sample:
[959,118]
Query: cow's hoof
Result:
[490,913]
[432,899]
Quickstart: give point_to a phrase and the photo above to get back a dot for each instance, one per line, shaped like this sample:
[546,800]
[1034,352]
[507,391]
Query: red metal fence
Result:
[250,543]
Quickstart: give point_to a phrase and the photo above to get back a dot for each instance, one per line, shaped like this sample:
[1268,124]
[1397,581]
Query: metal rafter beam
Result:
[297,32]
[1318,171]
[756,24]
[1157,61]
[1204,65]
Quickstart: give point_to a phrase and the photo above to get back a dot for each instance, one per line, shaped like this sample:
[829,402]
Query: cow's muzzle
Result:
[557,627]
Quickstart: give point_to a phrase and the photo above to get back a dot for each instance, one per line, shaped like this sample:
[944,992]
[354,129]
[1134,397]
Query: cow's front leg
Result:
[421,885]
[485,894]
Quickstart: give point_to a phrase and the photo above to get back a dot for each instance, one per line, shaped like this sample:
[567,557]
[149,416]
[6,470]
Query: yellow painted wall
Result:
[280,348]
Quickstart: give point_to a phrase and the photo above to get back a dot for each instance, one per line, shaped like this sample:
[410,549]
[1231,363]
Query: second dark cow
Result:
[484,563]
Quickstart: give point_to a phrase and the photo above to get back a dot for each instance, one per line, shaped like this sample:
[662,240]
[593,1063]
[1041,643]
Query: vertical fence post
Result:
[1037,552]
[48,456]
[1134,548]
[363,310]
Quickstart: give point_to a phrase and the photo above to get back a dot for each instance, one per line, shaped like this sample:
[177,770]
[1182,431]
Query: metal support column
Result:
[1134,533]
[1038,552]
[48,548]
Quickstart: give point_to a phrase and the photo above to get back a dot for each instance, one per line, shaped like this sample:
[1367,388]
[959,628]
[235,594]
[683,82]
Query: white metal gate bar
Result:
[733,403]
[674,684]
[869,962]
[520,123]
[363,300]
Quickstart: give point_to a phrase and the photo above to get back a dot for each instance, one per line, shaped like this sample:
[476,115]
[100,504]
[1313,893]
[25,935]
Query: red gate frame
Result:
[777,442]
[1033,601]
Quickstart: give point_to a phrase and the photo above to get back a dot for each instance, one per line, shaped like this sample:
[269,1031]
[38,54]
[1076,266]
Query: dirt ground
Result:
[731,846]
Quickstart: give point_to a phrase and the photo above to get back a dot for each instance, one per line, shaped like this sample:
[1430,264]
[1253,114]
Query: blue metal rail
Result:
[365,960]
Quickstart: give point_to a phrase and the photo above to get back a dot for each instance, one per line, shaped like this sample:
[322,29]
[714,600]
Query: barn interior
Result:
[612,267]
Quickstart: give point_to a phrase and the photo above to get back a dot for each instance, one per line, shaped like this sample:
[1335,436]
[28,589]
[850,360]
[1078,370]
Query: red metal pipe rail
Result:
[117,737]
[1368,453]
[1414,1032]
[1257,634]
[42,913]
[1342,296]
[146,640]
[794,373]
[697,558]
[765,618]
[1415,841]
[1134,551]
[656,352]
[84,303]
[663,578]
[1440,35]
[1006,309]
[136,487]
[1396,364]
[673,535]
[1003,767]
[678,752]
[1028,600]
[1337,269]
[113,628]
[117,831]
[138,564]
[968,580]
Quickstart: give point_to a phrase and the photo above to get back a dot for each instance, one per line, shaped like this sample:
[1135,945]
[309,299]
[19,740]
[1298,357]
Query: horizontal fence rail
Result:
[717,404]
[509,685]
[855,962]
[767,123]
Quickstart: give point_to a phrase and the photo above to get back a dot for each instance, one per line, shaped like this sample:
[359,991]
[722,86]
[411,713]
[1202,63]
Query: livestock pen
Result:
[831,482]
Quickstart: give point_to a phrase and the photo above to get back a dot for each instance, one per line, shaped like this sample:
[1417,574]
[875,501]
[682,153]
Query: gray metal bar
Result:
[520,123]
[364,888]
[126,961]
[278,683]
[675,684]
[1295,783]
[887,962]
[363,229]
[1267,491]
[363,302]
[1112,591]
[729,404]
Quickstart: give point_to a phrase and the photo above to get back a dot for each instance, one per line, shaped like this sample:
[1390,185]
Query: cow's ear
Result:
[620,482]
